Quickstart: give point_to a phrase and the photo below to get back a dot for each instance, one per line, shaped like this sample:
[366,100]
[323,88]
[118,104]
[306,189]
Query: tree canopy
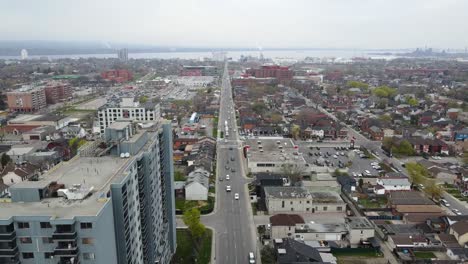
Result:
[357,84]
[191,218]
[417,172]
[384,91]
[411,101]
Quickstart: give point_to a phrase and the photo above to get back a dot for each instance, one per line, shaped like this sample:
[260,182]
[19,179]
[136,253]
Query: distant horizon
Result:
[70,44]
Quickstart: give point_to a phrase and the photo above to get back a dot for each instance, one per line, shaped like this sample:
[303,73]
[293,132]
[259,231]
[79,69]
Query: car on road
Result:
[233,170]
[232,159]
[227,177]
[228,188]
[230,148]
[227,167]
[220,178]
[236,196]
[251,258]
[456,211]
[444,202]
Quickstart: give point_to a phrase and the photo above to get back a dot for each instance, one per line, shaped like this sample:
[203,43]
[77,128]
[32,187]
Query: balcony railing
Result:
[9,252]
[66,252]
[8,236]
[64,235]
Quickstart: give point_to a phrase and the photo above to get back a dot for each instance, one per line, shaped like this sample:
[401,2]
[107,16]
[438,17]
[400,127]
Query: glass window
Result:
[86,225]
[25,240]
[46,225]
[48,255]
[23,225]
[88,255]
[87,241]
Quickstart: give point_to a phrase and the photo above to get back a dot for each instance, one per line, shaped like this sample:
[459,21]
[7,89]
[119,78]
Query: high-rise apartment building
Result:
[112,203]
[127,109]
[122,54]
[27,99]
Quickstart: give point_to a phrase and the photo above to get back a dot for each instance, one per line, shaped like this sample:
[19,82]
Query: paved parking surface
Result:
[334,156]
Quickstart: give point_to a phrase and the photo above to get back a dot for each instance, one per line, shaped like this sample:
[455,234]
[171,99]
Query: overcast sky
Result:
[242,23]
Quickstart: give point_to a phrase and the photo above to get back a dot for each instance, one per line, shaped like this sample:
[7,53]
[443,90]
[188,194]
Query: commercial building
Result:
[27,122]
[199,71]
[117,75]
[113,203]
[282,74]
[127,109]
[27,99]
[58,92]
[298,199]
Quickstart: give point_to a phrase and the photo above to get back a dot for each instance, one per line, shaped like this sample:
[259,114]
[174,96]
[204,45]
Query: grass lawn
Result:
[379,202]
[424,255]
[187,253]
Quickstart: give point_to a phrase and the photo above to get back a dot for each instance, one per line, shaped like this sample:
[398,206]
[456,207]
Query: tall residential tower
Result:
[112,203]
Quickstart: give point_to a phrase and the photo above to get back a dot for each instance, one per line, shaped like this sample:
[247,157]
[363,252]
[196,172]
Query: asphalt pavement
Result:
[232,219]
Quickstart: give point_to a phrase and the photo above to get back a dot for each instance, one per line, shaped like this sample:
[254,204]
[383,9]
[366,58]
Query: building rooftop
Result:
[322,228]
[286,220]
[274,150]
[287,192]
[359,223]
[97,173]
[408,198]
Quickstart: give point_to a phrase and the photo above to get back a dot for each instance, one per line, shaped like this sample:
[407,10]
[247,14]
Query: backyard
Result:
[376,202]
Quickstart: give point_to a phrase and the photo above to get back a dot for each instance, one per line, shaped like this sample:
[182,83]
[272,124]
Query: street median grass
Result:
[189,251]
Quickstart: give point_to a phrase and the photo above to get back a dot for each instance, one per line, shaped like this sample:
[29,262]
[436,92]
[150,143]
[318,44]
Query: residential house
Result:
[407,242]
[460,231]
[179,189]
[292,251]
[197,185]
[21,173]
[284,225]
[388,184]
[360,229]
[457,253]
[376,133]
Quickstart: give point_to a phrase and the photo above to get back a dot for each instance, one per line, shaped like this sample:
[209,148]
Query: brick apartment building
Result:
[282,74]
[26,99]
[117,75]
[57,91]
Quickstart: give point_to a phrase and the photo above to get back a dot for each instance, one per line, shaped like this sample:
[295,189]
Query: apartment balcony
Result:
[8,236]
[66,235]
[66,251]
[10,260]
[8,252]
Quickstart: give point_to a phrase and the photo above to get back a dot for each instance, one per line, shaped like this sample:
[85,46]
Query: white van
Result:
[251,257]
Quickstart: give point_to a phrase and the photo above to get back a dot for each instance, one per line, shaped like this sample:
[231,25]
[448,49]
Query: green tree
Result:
[384,91]
[417,173]
[411,101]
[259,108]
[191,218]
[276,119]
[405,148]
[268,255]
[434,190]
[361,182]
[385,118]
[143,99]
[179,176]
[357,84]
[5,159]
[293,172]
[295,131]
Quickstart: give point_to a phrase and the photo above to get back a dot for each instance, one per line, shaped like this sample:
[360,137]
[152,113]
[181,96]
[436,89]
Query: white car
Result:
[251,258]
[236,196]
[227,177]
[456,211]
[355,175]
[228,188]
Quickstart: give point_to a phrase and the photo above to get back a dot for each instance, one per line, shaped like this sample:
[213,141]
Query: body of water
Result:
[235,55]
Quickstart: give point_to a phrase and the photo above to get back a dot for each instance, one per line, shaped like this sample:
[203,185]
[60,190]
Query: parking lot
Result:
[340,158]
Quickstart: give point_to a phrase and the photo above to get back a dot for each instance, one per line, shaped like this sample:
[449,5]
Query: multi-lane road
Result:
[232,219]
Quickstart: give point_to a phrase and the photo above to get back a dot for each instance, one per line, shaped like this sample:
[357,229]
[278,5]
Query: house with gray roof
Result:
[387,184]
[197,185]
